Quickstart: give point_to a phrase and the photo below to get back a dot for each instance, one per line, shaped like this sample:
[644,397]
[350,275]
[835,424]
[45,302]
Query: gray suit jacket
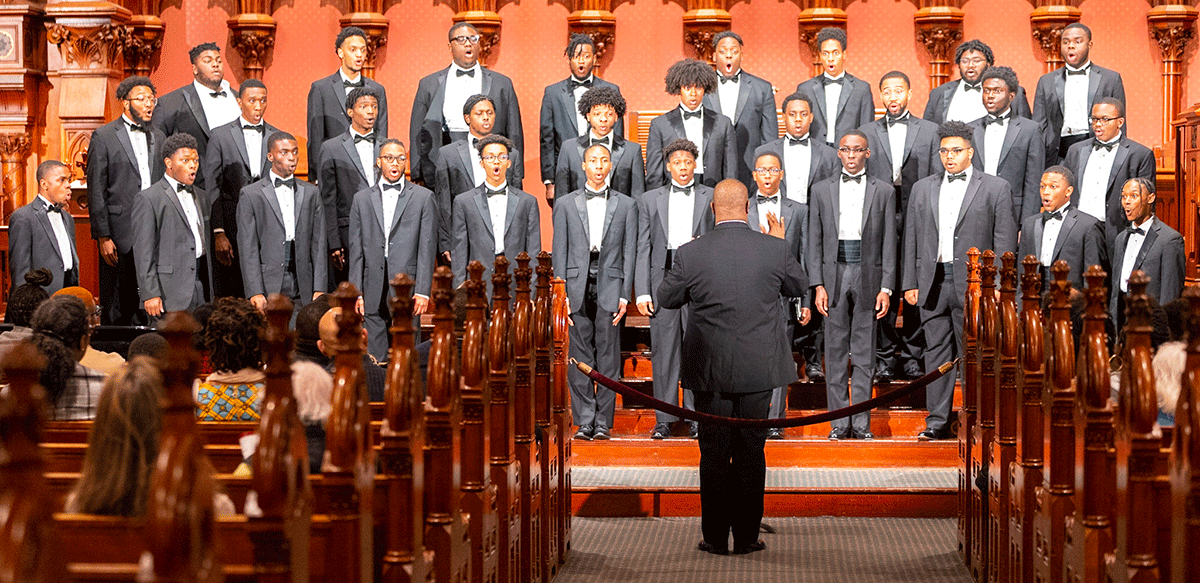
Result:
[227,166]
[822,164]
[32,244]
[856,106]
[628,172]
[262,254]
[454,175]
[1022,160]
[754,121]
[474,233]
[921,157]
[878,237]
[1161,258]
[618,249]
[559,121]
[113,180]
[1131,160]
[985,221]
[938,106]
[720,147]
[653,215]
[164,248]
[411,240]
[327,114]
[1080,243]
[342,175]
[1048,101]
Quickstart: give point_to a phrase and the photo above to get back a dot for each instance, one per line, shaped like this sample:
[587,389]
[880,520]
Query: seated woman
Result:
[61,332]
[23,300]
[233,339]
[314,391]
[1170,358]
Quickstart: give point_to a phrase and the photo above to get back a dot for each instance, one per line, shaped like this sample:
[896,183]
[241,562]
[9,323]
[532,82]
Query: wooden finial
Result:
[1031,280]
[1008,272]
[973,264]
[987,272]
[442,372]
[401,303]
[277,340]
[523,274]
[500,280]
[1061,285]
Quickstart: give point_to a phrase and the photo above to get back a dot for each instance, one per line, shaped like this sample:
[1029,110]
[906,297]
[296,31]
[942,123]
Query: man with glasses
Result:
[562,118]
[201,106]
[393,229]
[124,157]
[948,214]
[1105,163]
[1065,96]
[494,218]
[748,102]
[437,107]
[327,96]
[961,99]
[842,102]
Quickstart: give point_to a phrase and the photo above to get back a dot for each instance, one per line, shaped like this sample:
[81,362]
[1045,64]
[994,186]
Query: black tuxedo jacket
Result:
[1048,101]
[327,115]
[653,229]
[754,121]
[559,123]
[113,180]
[180,111]
[856,106]
[720,147]
[454,175]
[1022,160]
[1080,243]
[342,175]
[1161,258]
[32,244]
[878,236]
[921,158]
[426,127]
[227,164]
[628,172]
[1131,160]
[938,106]
[822,164]
[735,340]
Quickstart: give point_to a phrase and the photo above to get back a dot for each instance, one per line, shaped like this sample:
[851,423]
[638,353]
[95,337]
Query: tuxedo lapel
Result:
[239,139]
[710,119]
[752,213]
[910,137]
[675,117]
[273,201]
[610,208]
[1063,233]
[1039,227]
[193,102]
[698,209]
[485,84]
[510,211]
[664,218]
[980,133]
[567,100]
[439,99]
[968,198]
[868,205]
[480,196]
[1147,243]
[581,207]
[1094,77]
[744,89]
[173,199]
[464,153]
[401,204]
[948,96]
[885,143]
[843,97]
[123,137]
[352,152]
[1060,89]
[43,219]
[819,92]
[1119,158]
[376,199]
[337,91]
[1010,137]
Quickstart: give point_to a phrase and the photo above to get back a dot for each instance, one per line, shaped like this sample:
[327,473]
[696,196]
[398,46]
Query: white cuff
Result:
[885,290]
[422,296]
[642,299]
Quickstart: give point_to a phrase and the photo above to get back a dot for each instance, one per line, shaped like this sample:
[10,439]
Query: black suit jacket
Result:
[1048,101]
[327,115]
[921,158]
[454,175]
[938,106]
[227,164]
[628,172]
[754,121]
[1022,160]
[1161,258]
[180,111]
[32,244]
[720,147]
[1131,160]
[342,175]
[559,122]
[878,238]
[653,218]
[735,340]
[426,127]
[856,106]
[823,161]
[113,180]
[1080,243]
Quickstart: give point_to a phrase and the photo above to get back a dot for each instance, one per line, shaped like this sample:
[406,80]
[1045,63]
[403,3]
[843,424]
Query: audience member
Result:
[233,338]
[308,331]
[372,370]
[21,303]
[314,389]
[61,331]
[1170,360]
[152,345]
[105,362]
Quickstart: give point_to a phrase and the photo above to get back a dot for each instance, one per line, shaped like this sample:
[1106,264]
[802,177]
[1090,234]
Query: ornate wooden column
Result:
[1172,25]
[22,69]
[1048,19]
[815,15]
[939,25]
[595,19]
[702,21]
[145,36]
[368,15]
[483,16]
[252,35]
[1026,472]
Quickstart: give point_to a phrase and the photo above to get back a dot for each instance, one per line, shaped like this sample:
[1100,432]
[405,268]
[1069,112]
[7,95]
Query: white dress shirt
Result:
[1132,247]
[1050,231]
[897,135]
[221,109]
[727,96]
[141,150]
[345,89]
[286,197]
[680,214]
[188,202]
[1075,101]
[581,122]
[366,155]
[60,235]
[693,130]
[797,161]
[254,142]
[596,208]
[458,89]
[497,211]
[966,105]
[1093,186]
[478,174]
[774,205]
[833,93]
[851,198]
[950,202]
[993,142]
[391,197]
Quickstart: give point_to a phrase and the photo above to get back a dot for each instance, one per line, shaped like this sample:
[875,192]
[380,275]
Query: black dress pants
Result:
[733,468]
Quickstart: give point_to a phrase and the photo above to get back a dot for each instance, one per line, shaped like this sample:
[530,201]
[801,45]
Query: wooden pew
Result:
[560,318]
[506,472]
[478,494]
[1185,459]
[968,506]
[548,460]
[527,449]
[1026,469]
[984,431]
[1004,446]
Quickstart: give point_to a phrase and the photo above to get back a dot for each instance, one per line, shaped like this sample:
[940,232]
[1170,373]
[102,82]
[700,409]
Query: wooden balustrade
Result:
[543,348]
[478,493]
[1185,457]
[528,452]
[1026,469]
[968,507]
[984,430]
[1004,446]
[506,471]
[560,322]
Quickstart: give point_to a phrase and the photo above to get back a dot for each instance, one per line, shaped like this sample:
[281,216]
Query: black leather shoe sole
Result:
[932,435]
[865,435]
[584,434]
[775,434]
[601,434]
[703,546]
[660,432]
[750,548]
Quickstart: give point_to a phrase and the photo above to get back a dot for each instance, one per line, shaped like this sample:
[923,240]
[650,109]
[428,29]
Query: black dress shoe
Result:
[933,435]
[584,433]
[661,431]
[693,430]
[775,433]
[912,371]
[863,435]
[601,432]
[757,545]
[883,374]
[814,373]
[839,433]
[703,546]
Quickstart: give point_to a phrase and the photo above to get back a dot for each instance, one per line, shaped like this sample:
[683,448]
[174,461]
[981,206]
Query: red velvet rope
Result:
[635,395]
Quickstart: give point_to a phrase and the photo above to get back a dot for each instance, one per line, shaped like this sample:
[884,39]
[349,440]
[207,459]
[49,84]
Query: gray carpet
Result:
[817,550]
[777,478]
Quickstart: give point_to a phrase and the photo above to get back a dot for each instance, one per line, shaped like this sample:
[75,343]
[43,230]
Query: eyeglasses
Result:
[144,99]
[771,171]
[855,151]
[465,40]
[972,62]
[1103,120]
[495,158]
[393,159]
[951,151]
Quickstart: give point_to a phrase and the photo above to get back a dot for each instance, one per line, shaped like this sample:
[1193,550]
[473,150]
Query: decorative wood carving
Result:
[22,72]
[142,44]
[1004,447]
[595,19]
[939,28]
[968,417]
[14,150]
[478,493]
[815,15]
[544,404]
[252,36]
[985,430]
[560,318]
[1185,454]
[527,450]
[1172,26]
[1048,19]
[1027,470]
[505,470]
[702,21]
[368,15]
[483,16]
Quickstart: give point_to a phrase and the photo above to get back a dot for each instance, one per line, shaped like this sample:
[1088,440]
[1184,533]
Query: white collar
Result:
[758,193]
[45,200]
[946,174]
[1062,209]
[354,132]
[503,186]
[1145,226]
[685,108]
[1083,67]
[383,181]
[454,67]
[690,184]
[831,77]
[1114,140]
[591,78]
[204,90]
[608,138]
[346,79]
[171,182]
[244,122]
[272,176]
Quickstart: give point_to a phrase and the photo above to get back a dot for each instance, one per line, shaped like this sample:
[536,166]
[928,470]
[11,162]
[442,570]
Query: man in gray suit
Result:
[494,218]
[1147,244]
[961,99]
[602,107]
[712,132]
[748,102]
[42,233]
[327,96]
[1062,232]
[852,259]
[1065,96]
[169,226]
[283,249]
[1007,145]
[947,215]
[393,229]
[595,250]
[842,101]
[348,166]
[668,216]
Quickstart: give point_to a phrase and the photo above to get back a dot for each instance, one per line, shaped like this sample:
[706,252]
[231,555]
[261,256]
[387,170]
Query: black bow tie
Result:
[392,185]
[1082,71]
[991,119]
[220,93]
[902,118]
[1097,144]
[181,187]
[767,199]
[1136,230]
[499,192]
[138,128]
[969,87]
[260,128]
[468,73]
[734,78]
[684,190]
[53,208]
[960,176]
[288,182]
[1047,216]
[590,195]
[832,81]
[691,114]
[361,82]
[367,138]
[797,141]
[598,141]
[574,84]
[849,178]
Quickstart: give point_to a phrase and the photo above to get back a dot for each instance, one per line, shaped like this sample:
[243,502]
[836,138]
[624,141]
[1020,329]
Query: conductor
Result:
[735,351]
